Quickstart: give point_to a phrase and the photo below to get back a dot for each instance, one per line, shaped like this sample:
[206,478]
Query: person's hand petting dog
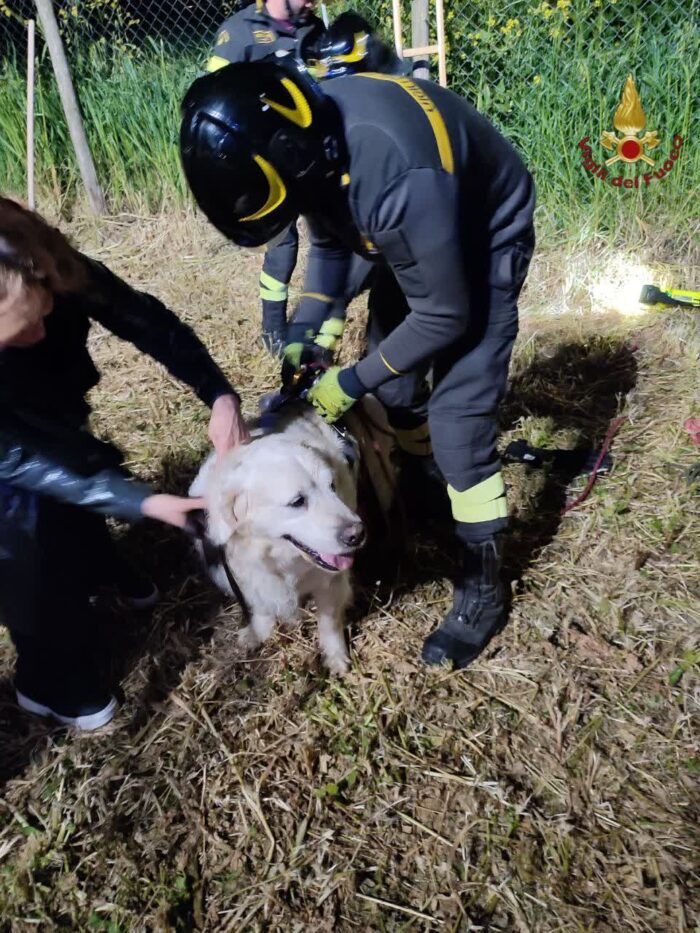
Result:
[227,429]
[172,510]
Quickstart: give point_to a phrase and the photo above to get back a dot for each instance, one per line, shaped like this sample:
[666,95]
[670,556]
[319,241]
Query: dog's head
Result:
[298,488]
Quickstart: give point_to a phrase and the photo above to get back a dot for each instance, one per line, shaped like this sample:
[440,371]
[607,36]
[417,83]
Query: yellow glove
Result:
[327,396]
[297,355]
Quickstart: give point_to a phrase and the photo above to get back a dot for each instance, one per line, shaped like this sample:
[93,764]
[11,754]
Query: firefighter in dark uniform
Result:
[410,176]
[57,480]
[253,33]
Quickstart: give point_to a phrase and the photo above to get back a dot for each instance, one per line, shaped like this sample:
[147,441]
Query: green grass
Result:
[131,109]
[548,74]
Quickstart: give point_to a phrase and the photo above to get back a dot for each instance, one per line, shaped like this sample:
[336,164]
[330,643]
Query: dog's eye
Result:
[332,486]
[298,502]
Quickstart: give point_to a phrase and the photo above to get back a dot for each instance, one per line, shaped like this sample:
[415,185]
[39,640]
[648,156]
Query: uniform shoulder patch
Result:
[264,36]
[223,37]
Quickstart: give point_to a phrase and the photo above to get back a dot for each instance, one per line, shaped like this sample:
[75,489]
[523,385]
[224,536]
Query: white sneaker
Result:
[86,721]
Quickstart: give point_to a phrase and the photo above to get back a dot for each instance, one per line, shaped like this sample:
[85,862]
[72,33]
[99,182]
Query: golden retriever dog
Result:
[281,515]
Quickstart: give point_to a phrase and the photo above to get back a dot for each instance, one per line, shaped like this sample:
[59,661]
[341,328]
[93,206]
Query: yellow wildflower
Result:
[563,4]
[537,79]
[491,21]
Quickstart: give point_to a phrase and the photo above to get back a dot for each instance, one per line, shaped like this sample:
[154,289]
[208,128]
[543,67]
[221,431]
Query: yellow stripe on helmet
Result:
[437,124]
[277,193]
[300,113]
[358,51]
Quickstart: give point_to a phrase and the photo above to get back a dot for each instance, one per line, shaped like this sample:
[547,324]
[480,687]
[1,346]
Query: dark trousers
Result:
[277,270]
[468,377]
[281,259]
[52,558]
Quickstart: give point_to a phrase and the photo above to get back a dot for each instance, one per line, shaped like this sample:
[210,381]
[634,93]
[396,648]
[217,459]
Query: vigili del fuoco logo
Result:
[629,146]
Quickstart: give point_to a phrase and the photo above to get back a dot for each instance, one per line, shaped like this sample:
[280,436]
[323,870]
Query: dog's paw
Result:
[338,664]
[248,640]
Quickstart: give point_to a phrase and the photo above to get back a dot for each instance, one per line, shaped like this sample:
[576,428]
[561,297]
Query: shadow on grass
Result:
[581,386]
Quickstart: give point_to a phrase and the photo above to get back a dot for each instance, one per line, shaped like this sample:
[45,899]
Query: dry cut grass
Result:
[551,787]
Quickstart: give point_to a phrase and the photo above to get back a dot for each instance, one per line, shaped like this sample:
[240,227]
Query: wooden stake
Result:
[30,113]
[70,105]
[442,54]
[398,40]
[420,35]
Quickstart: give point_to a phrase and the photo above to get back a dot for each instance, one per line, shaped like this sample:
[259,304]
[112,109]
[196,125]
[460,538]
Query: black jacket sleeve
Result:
[155,330]
[415,225]
[69,465]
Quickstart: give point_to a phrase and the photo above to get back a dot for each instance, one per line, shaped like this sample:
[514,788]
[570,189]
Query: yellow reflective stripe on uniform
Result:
[277,192]
[396,372]
[271,288]
[317,296]
[334,326]
[216,62]
[434,116]
[481,503]
[268,295]
[415,440]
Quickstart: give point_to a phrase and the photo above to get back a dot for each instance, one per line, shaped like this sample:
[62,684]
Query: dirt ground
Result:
[550,787]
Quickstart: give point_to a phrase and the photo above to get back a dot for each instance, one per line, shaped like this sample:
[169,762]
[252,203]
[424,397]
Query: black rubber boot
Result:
[479,611]
[274,326]
[423,491]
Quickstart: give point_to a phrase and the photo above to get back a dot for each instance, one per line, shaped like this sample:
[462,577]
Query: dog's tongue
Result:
[339,561]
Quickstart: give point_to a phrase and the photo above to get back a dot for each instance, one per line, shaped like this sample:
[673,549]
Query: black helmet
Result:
[350,46]
[260,143]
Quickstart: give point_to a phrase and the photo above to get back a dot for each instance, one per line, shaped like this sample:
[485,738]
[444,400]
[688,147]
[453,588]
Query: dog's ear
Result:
[227,505]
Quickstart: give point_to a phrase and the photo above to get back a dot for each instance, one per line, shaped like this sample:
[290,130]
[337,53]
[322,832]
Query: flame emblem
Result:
[629,120]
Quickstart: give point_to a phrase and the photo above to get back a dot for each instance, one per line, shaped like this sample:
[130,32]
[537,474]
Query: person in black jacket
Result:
[411,177]
[58,481]
[251,34]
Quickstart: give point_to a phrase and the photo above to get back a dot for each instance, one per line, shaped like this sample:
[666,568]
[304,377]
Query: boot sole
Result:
[87,723]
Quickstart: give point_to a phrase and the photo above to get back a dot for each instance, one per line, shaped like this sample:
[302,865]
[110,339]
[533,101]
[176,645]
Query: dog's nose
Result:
[353,535]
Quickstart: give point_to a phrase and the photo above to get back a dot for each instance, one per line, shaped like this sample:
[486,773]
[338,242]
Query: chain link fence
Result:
[128,26]
[548,72]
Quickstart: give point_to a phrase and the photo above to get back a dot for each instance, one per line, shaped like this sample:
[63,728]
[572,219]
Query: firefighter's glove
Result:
[335,392]
[298,356]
